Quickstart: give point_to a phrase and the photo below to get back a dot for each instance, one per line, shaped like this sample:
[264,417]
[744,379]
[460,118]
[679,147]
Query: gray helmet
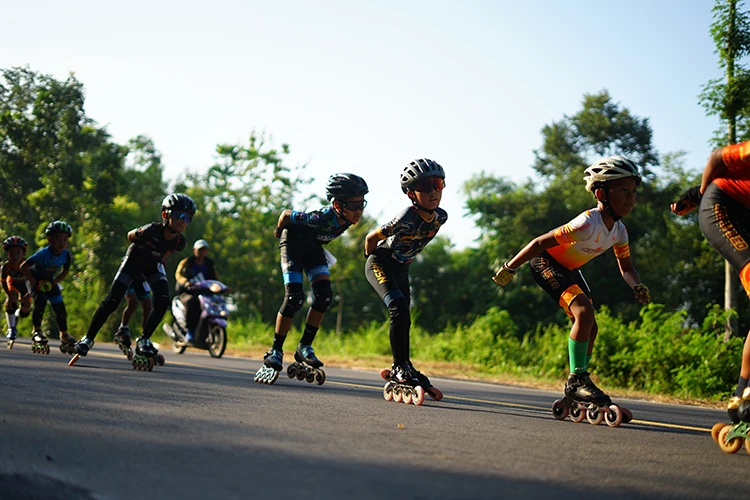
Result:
[178,202]
[609,169]
[418,170]
[58,226]
[345,186]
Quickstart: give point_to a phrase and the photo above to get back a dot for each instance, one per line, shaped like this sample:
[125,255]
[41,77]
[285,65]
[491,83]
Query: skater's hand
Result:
[504,275]
[688,201]
[44,285]
[277,232]
[642,294]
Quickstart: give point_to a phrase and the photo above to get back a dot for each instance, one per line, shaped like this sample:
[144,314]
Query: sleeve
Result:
[4,272]
[142,233]
[622,245]
[736,156]
[313,218]
[579,229]
[34,258]
[395,225]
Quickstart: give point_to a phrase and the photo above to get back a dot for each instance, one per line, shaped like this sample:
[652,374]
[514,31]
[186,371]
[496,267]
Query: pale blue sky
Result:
[365,87]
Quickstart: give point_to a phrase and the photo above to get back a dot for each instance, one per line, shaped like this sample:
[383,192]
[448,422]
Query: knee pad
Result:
[293,300]
[322,295]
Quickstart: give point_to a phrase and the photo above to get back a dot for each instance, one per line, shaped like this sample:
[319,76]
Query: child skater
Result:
[14,285]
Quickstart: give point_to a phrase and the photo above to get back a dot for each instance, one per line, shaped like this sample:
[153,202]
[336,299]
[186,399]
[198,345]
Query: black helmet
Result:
[344,186]
[58,226]
[178,202]
[418,170]
[14,241]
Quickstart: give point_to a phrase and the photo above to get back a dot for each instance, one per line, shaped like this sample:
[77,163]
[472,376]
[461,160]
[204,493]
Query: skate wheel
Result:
[160,359]
[320,377]
[129,354]
[747,445]
[732,446]
[387,392]
[559,410]
[434,393]
[715,431]
[291,370]
[74,359]
[627,416]
[418,396]
[301,373]
[10,344]
[398,396]
[385,374]
[577,414]
[595,416]
[613,416]
[310,376]
[62,349]
[46,349]
[407,397]
[273,376]
[151,363]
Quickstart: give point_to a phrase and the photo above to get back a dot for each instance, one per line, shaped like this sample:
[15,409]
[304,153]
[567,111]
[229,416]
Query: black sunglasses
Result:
[183,216]
[354,206]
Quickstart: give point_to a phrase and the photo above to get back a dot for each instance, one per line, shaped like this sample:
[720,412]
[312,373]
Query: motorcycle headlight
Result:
[215,287]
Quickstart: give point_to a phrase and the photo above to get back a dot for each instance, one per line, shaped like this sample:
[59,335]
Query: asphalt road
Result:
[201,428]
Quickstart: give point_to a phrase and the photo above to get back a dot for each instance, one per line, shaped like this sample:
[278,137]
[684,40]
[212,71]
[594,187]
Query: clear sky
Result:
[364,87]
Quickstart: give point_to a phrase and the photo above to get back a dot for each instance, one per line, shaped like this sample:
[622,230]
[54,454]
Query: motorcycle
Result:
[211,330]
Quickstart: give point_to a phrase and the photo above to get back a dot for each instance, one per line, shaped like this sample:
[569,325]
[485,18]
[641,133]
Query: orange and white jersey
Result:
[736,182]
[585,237]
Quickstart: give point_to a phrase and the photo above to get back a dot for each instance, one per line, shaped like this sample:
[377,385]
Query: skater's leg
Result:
[147,305]
[131,304]
[160,290]
[106,308]
[40,304]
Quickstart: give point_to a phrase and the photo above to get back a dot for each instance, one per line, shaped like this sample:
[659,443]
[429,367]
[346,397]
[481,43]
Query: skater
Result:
[555,259]
[138,292]
[14,285]
[44,271]
[302,236]
[390,249]
[197,267]
[723,199]
[150,245]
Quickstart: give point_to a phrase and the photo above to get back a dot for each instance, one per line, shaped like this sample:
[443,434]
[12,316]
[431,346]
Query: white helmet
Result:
[609,169]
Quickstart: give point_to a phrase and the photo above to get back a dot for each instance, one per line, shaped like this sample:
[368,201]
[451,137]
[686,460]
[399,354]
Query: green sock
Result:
[577,355]
[588,361]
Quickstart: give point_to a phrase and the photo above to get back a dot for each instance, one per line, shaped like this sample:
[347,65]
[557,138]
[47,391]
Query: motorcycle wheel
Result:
[217,341]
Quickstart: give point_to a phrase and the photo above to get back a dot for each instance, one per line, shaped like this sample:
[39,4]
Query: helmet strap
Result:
[607,205]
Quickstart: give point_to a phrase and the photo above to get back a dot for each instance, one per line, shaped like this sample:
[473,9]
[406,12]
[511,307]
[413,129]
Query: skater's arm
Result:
[631,277]
[179,274]
[534,248]
[282,222]
[26,270]
[371,241]
[63,274]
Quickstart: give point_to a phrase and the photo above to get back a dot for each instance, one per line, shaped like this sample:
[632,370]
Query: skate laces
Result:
[307,351]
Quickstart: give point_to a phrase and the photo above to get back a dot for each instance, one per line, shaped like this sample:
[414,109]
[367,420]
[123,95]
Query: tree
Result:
[729,98]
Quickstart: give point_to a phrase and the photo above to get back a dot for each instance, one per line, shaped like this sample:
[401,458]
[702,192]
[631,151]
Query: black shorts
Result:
[294,261]
[725,222]
[560,283]
[388,277]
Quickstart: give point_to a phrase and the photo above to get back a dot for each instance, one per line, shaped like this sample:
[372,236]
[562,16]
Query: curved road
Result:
[201,428]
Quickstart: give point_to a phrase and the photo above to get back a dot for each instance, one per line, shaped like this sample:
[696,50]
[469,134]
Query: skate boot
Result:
[583,399]
[81,348]
[123,341]
[39,343]
[272,366]
[306,366]
[11,336]
[146,355]
[67,343]
[429,389]
[731,436]
[402,385]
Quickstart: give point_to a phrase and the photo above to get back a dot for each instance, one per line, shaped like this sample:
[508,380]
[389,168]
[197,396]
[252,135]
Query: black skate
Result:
[429,389]
[583,399]
[81,348]
[730,437]
[123,341]
[402,385]
[272,366]
[11,336]
[39,343]
[306,366]
[67,343]
[146,355]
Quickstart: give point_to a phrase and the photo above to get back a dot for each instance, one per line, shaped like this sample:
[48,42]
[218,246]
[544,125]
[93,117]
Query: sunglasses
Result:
[354,206]
[429,185]
[183,216]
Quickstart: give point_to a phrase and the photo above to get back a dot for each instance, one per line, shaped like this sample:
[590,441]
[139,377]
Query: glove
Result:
[277,232]
[504,275]
[44,285]
[688,201]
[642,294]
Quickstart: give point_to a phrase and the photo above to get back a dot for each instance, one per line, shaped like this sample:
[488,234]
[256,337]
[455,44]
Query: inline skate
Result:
[67,343]
[81,348]
[11,336]
[402,385]
[123,341]
[583,399]
[39,343]
[306,366]
[272,366]
[730,437]
[146,355]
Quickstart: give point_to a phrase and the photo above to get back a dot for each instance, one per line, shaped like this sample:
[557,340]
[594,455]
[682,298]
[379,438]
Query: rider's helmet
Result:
[609,169]
[418,170]
[345,186]
[177,202]
[58,226]
[14,241]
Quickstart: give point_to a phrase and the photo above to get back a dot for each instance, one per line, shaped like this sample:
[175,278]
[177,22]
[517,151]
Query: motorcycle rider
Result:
[199,266]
